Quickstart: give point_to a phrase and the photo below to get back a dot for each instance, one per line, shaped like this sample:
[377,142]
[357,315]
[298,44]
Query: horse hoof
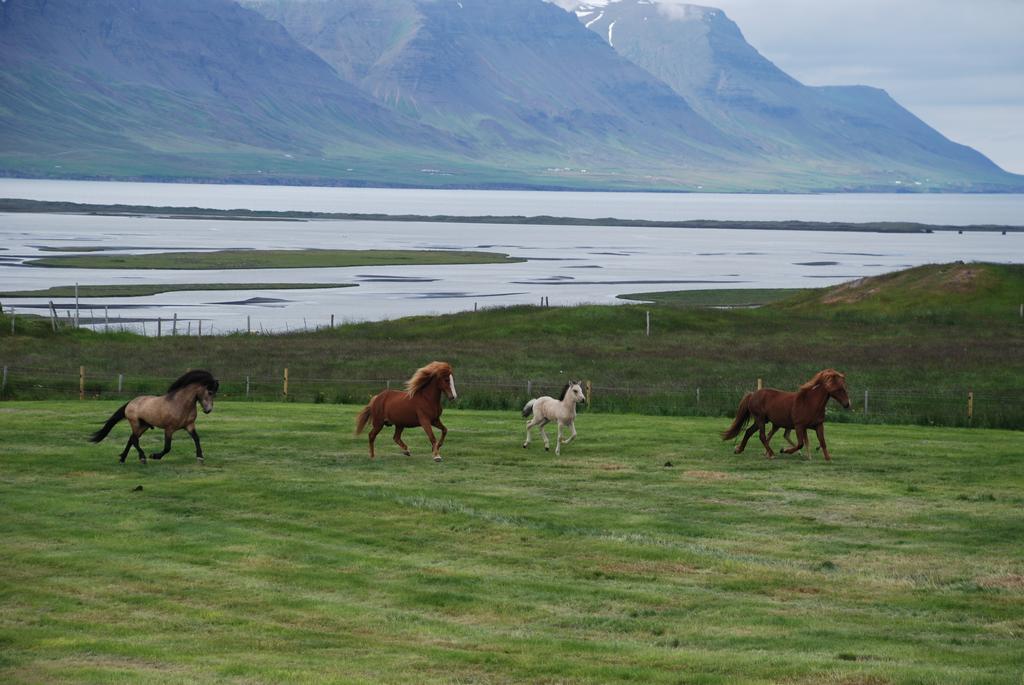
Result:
[437,458]
[737,450]
[407,453]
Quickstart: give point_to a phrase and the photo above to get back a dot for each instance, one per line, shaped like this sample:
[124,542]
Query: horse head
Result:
[441,372]
[577,391]
[447,383]
[835,384]
[206,394]
[205,384]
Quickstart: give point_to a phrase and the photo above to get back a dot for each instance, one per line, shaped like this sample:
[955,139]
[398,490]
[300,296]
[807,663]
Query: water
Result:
[568,264]
[934,209]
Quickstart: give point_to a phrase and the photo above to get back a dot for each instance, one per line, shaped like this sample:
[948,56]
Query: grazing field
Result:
[647,553]
[271,259]
[738,297]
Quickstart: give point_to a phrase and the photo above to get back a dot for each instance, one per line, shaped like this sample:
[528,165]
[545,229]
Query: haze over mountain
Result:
[470,93]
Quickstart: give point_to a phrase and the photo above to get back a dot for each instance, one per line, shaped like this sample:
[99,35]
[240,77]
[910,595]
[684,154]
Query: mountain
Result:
[181,88]
[856,132]
[442,93]
[517,76]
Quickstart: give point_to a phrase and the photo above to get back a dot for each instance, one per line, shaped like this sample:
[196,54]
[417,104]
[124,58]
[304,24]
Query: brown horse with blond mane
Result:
[801,410]
[419,405]
[172,412]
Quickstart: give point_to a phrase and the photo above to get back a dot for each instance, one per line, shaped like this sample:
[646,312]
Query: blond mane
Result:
[422,377]
[826,377]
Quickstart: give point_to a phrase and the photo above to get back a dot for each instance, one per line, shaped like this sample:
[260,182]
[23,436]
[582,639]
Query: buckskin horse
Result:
[172,412]
[419,405]
[801,410]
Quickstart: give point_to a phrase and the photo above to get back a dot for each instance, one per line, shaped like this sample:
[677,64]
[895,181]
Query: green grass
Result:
[290,557]
[739,297]
[272,259]
[917,364]
[141,290]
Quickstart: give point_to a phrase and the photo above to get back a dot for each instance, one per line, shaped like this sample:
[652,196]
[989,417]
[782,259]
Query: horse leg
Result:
[191,428]
[746,436]
[572,427]
[820,430]
[787,438]
[373,436]
[434,447]
[444,431]
[138,432]
[544,434]
[168,432]
[529,427]
[398,440]
[558,438]
[764,439]
[775,429]
[801,440]
[127,447]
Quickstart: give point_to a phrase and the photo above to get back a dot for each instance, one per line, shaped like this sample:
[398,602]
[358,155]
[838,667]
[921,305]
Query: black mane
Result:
[196,376]
[561,395]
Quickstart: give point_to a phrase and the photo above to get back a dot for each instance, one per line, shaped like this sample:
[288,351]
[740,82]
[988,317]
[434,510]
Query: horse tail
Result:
[528,409]
[362,419]
[109,425]
[742,417]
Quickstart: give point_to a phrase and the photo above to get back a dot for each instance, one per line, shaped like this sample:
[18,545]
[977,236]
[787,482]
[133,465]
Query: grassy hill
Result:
[290,557]
[917,363]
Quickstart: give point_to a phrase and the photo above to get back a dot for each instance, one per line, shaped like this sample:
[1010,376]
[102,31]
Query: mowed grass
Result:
[290,557]
[271,259]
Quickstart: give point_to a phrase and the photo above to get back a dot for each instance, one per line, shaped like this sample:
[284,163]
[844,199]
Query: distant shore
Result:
[45,207]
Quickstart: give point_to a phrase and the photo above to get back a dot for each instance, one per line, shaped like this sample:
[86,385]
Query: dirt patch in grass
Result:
[1009,581]
[708,475]
[647,568]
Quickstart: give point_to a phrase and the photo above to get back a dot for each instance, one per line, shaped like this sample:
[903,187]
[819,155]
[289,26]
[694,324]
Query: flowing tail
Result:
[109,425]
[742,417]
[362,419]
[528,409]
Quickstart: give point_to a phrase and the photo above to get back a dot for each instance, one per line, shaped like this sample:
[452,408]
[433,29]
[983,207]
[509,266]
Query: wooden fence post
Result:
[698,396]
[174,326]
[332,320]
[247,387]
[120,382]
[865,401]
[53,316]
[286,382]
[81,382]
[76,305]
[970,405]
[106,318]
[3,384]
[248,324]
[648,324]
[13,314]
[760,383]
[529,388]
[159,326]
[200,329]
[589,389]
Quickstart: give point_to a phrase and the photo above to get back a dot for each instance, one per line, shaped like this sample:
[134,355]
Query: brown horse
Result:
[801,410]
[419,405]
[172,412]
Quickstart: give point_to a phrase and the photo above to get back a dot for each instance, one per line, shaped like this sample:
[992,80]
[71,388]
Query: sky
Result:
[956,64]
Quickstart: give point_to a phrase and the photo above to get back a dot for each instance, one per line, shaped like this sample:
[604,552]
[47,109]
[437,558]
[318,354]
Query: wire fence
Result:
[949,406]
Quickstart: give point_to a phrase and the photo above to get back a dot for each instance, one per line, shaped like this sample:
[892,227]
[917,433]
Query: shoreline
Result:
[20,206]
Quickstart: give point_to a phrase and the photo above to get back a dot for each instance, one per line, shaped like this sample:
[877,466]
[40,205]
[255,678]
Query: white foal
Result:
[562,410]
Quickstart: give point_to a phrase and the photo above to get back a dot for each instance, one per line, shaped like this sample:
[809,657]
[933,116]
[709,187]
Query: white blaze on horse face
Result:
[207,402]
[451,385]
[578,392]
